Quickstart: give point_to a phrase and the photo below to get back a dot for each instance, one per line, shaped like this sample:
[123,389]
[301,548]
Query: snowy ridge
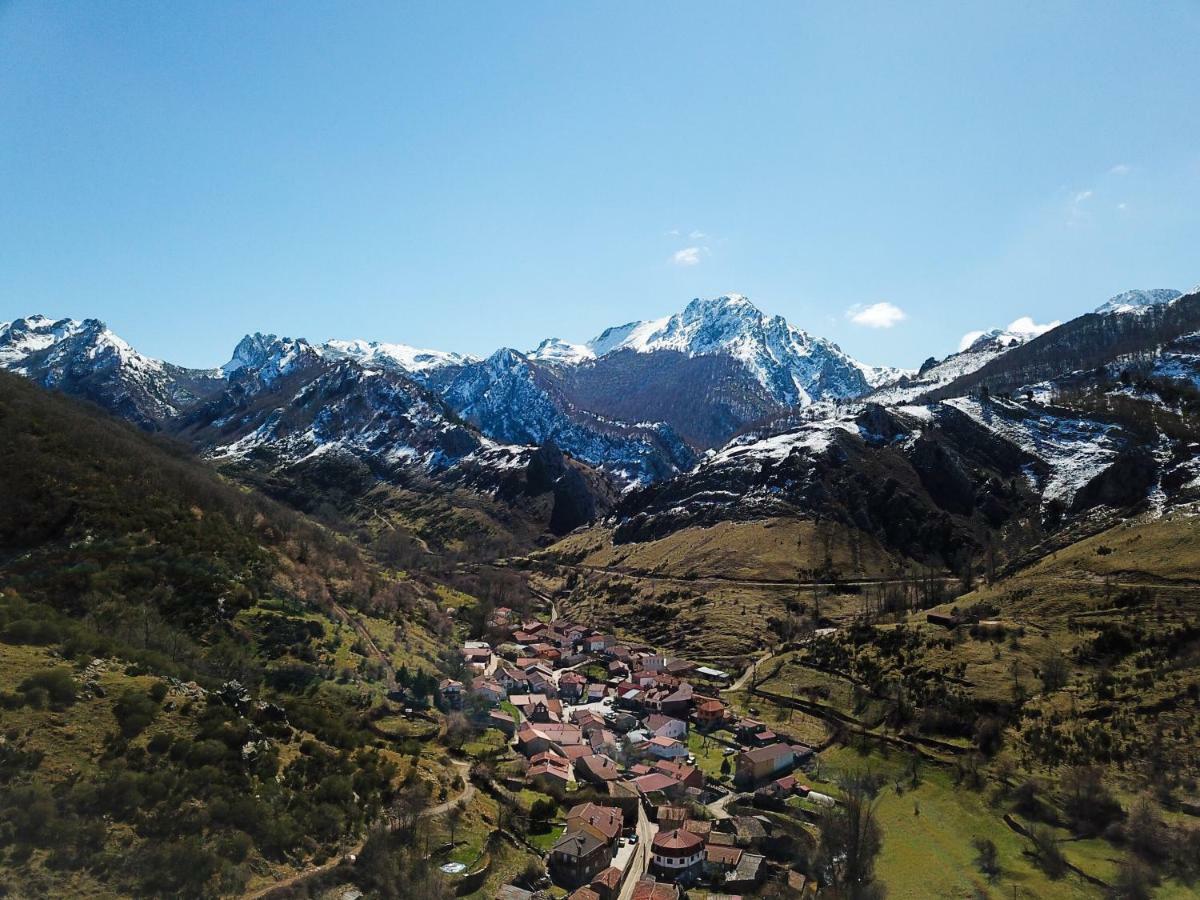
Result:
[24,337]
[87,359]
[37,334]
[506,397]
[558,352]
[1138,302]
[269,357]
[795,367]
[981,350]
[377,354]
[812,438]
[1075,449]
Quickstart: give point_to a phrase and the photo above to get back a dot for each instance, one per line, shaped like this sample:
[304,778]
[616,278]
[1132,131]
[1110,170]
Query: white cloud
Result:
[1120,169]
[688,256]
[1122,206]
[968,339]
[1026,325]
[697,235]
[877,315]
[1077,212]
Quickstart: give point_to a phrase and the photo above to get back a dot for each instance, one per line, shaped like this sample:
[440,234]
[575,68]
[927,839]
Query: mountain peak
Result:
[556,351]
[794,366]
[725,303]
[703,326]
[1138,301]
[379,354]
[269,356]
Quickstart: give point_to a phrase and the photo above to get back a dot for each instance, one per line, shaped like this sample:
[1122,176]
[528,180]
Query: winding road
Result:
[740,582]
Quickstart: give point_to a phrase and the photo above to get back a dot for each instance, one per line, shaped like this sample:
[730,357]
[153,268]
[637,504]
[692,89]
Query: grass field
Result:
[708,755]
[927,849]
[715,593]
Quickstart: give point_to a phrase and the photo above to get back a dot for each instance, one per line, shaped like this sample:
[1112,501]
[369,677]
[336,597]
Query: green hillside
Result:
[189,673]
[1056,721]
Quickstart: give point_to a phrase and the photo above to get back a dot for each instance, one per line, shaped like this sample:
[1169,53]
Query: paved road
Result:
[718,807]
[465,797]
[745,676]
[641,860]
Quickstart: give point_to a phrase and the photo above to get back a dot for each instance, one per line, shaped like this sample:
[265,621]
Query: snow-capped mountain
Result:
[268,357]
[795,367]
[1134,324]
[333,407]
[927,480]
[559,352]
[982,348]
[515,400]
[1138,301]
[706,372]
[376,354]
[86,359]
[309,417]
[640,402]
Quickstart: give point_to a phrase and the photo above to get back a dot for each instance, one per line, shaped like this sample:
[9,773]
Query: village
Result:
[665,790]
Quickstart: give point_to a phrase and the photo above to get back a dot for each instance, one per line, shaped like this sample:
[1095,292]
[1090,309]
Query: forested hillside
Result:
[193,677]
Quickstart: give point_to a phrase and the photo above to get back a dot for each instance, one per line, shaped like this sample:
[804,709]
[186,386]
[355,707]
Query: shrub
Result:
[160,743]
[986,857]
[134,712]
[55,687]
[1049,855]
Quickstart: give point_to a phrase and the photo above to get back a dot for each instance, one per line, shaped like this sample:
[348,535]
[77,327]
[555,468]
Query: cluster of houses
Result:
[722,853]
[646,888]
[584,709]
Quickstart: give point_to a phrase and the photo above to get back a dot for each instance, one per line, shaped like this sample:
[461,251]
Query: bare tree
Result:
[851,838]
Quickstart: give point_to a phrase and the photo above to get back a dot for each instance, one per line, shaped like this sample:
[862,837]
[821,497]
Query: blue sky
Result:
[471,175]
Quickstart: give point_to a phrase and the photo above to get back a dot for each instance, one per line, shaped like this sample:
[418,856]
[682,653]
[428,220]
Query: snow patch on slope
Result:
[378,354]
[1138,302]
[1076,450]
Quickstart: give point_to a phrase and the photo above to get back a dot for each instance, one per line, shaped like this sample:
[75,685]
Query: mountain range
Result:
[661,411]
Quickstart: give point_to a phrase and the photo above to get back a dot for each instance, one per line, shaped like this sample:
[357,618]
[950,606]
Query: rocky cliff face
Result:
[933,481]
[513,399]
[85,359]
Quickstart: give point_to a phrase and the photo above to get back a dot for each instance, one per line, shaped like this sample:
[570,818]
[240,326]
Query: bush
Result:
[54,687]
[30,631]
[160,743]
[987,858]
[1049,855]
[1088,804]
[134,712]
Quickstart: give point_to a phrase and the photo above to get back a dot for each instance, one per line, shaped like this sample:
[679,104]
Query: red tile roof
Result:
[677,842]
